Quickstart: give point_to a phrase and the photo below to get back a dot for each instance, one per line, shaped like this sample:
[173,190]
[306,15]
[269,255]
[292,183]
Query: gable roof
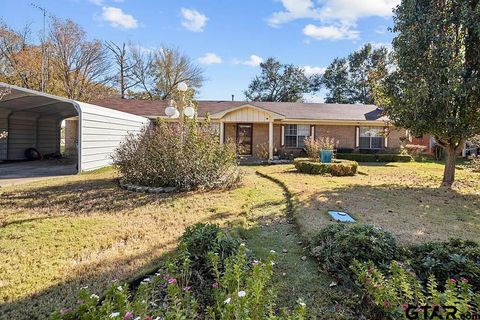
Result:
[289,110]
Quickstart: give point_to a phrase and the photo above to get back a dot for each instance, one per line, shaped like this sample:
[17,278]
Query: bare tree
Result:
[159,72]
[79,65]
[170,67]
[125,67]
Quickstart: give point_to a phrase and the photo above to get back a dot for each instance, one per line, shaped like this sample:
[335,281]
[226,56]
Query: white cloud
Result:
[193,20]
[338,18]
[96,2]
[118,19]
[253,61]
[310,71]
[330,32]
[210,58]
[294,9]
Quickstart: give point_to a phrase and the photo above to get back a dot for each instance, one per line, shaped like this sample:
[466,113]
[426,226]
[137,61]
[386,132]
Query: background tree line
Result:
[68,64]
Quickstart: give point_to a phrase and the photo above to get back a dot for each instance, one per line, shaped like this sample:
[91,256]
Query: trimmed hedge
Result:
[338,168]
[379,157]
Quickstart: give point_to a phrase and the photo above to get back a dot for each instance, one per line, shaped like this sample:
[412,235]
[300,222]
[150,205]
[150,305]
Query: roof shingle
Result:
[291,110]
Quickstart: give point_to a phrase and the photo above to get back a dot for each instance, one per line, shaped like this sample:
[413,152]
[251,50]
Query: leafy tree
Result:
[354,79]
[367,66]
[337,82]
[20,61]
[280,83]
[435,88]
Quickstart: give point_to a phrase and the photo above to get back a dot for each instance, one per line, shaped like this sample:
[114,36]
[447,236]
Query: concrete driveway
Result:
[12,173]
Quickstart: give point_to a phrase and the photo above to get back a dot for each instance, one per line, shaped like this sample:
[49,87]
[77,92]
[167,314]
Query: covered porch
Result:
[256,132]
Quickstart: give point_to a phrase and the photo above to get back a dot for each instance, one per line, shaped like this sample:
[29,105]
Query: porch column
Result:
[222,132]
[270,140]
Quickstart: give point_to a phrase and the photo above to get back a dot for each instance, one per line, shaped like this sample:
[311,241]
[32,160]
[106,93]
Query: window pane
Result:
[303,130]
[377,142]
[301,141]
[291,130]
[364,142]
[291,141]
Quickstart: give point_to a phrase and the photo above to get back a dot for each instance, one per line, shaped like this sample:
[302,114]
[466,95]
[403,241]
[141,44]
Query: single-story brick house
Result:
[277,127]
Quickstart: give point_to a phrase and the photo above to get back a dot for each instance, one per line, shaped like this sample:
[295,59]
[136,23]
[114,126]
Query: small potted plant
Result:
[326,149]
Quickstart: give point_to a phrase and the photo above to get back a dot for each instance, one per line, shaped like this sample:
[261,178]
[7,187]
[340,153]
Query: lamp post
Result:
[177,109]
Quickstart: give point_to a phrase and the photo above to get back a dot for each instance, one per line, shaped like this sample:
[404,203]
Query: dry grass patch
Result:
[401,197]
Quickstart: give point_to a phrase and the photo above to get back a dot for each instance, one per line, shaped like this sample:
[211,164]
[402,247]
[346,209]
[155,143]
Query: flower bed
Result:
[338,168]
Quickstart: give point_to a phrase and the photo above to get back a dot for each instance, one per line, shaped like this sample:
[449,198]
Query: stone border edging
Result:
[143,189]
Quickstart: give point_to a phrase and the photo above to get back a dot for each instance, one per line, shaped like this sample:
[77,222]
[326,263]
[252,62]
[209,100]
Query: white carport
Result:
[33,119]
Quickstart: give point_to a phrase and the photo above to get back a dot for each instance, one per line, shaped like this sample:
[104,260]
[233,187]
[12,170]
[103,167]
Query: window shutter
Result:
[312,131]
[357,137]
[282,138]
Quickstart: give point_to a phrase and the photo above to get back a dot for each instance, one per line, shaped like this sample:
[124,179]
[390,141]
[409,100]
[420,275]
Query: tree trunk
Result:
[450,161]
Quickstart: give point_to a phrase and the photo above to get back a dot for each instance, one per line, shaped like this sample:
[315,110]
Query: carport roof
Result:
[21,99]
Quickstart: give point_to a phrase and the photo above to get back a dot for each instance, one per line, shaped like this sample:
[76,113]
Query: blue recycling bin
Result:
[326,156]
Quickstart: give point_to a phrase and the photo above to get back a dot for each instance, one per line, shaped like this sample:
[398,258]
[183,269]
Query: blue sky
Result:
[227,37]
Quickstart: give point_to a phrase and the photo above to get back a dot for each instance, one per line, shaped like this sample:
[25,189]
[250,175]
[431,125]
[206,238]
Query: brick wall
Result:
[344,134]
[71,137]
[394,141]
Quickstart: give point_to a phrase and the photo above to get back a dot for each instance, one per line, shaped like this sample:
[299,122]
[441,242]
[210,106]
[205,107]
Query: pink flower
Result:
[148,318]
[376,286]
[453,281]
[187,288]
[386,304]
[370,270]
[128,316]
[464,280]
[404,307]
[172,281]
[215,285]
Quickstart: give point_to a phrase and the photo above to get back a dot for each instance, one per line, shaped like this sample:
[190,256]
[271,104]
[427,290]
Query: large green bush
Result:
[453,259]
[379,157]
[337,245]
[336,168]
[169,155]
[199,242]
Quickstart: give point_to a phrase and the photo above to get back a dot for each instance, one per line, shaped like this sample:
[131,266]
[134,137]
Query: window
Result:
[295,135]
[371,138]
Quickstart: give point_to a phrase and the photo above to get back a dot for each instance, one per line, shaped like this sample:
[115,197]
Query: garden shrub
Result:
[336,168]
[337,245]
[198,242]
[168,155]
[453,259]
[242,291]
[398,293]
[380,157]
[415,149]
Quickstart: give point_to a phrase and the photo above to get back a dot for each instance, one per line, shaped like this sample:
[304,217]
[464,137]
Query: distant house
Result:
[280,127]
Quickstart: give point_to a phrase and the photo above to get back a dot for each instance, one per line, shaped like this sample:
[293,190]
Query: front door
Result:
[244,139]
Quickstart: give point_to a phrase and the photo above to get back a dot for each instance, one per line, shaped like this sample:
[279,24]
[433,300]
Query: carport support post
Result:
[270,140]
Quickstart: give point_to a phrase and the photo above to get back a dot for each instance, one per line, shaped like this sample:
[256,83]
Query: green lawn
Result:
[59,235]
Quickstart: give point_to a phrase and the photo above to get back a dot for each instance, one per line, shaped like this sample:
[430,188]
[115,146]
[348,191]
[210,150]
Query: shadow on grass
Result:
[94,195]
[41,304]
[413,214]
